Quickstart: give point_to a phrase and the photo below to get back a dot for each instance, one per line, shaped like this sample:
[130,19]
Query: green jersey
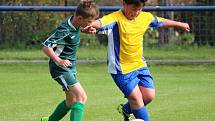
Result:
[65,40]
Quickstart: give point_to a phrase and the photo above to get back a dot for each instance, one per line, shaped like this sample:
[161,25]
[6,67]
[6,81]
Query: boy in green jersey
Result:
[61,47]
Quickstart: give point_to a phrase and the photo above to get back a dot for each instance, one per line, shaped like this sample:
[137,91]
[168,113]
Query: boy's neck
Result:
[74,22]
[123,12]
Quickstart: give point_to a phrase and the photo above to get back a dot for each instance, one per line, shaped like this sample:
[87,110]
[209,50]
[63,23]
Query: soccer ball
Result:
[137,120]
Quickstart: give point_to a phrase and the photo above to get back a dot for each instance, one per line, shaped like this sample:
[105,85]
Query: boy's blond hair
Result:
[87,9]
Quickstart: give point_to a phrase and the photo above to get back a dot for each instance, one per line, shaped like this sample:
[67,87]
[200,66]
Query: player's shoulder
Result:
[114,14]
[65,26]
[146,14]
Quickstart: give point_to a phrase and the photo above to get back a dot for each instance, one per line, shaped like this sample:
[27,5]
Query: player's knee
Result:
[152,96]
[135,99]
[84,98]
[81,97]
[149,98]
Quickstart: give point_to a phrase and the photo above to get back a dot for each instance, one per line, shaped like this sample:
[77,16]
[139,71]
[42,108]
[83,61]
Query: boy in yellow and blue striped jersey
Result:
[125,29]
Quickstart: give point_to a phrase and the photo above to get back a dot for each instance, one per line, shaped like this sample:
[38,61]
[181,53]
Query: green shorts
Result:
[64,76]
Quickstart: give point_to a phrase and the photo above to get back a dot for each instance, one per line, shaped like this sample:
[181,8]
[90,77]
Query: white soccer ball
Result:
[137,120]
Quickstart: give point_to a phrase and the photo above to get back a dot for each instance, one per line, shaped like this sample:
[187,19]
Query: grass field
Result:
[184,93]
[98,53]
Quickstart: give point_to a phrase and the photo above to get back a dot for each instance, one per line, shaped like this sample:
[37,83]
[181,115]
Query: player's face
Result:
[86,21]
[131,11]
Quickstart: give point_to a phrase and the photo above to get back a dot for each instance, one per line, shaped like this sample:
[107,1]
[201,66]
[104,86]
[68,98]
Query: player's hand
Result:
[64,63]
[89,30]
[185,27]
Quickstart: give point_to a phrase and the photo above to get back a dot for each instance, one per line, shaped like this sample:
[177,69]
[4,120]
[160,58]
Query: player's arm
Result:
[170,23]
[51,54]
[101,24]
[158,22]
[51,42]
[96,24]
[92,28]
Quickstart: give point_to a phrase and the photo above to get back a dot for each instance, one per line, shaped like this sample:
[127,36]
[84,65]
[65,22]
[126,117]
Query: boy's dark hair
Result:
[87,9]
[135,2]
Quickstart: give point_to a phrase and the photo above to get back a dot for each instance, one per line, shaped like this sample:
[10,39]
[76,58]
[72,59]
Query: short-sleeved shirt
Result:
[125,40]
[65,41]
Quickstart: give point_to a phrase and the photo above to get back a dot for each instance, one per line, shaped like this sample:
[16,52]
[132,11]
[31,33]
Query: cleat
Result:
[45,119]
[126,116]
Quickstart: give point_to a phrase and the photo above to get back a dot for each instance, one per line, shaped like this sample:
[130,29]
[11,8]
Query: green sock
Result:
[77,111]
[60,111]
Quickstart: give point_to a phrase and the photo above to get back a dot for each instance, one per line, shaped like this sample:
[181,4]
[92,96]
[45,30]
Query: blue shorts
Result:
[127,82]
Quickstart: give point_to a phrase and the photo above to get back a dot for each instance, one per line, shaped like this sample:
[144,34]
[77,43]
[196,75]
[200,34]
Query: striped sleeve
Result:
[157,22]
[54,39]
[107,21]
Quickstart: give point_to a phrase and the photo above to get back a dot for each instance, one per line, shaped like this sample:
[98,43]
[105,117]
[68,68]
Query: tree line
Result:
[28,29]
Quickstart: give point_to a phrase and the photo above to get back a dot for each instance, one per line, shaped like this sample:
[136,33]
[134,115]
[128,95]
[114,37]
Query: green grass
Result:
[184,93]
[83,53]
[98,53]
[201,53]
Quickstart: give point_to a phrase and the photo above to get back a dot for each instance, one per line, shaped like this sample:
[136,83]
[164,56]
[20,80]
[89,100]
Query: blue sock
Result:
[127,108]
[141,113]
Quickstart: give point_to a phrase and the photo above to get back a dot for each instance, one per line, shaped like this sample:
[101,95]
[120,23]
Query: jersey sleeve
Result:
[157,22]
[54,39]
[107,22]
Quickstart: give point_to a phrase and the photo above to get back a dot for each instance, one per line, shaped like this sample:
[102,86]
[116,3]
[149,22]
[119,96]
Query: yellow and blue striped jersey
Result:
[125,40]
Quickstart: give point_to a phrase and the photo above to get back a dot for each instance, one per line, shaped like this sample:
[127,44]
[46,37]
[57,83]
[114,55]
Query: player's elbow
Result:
[44,48]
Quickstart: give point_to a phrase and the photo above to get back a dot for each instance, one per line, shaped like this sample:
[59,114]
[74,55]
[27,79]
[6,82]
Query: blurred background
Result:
[182,64]
[26,30]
